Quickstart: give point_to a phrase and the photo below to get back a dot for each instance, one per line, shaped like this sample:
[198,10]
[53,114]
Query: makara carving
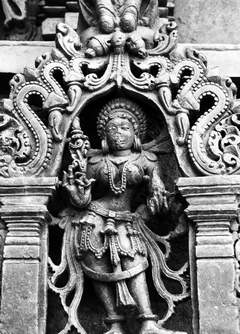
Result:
[156,71]
[127,55]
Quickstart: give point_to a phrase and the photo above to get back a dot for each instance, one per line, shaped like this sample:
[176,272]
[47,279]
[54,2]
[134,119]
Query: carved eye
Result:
[111,128]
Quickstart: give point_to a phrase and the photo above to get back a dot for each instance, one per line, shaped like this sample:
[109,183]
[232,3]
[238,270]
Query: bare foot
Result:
[116,328]
[150,327]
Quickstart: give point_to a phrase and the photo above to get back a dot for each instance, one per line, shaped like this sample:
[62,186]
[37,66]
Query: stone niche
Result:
[119,183]
[91,309]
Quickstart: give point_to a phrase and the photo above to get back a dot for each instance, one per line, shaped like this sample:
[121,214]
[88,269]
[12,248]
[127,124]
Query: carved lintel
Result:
[213,206]
[24,281]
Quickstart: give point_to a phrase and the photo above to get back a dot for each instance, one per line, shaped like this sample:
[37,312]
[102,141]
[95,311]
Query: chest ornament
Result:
[117,190]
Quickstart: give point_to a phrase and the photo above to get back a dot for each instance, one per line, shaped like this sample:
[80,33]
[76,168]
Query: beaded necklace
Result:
[117,190]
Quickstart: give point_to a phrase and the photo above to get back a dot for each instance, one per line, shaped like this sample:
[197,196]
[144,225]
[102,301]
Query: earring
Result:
[137,146]
[105,147]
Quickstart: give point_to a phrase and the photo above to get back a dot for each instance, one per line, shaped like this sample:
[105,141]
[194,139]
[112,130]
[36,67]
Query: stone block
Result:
[217,302]
[49,26]
[71,19]
[213,205]
[22,252]
[14,56]
[19,309]
[24,268]
[208,21]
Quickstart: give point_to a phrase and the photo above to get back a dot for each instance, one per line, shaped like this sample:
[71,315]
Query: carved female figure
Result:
[106,237]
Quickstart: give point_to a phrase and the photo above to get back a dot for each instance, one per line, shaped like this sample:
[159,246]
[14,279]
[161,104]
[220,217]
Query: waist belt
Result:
[116,215]
[117,276]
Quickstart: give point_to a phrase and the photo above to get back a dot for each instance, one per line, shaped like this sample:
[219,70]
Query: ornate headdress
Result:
[123,108]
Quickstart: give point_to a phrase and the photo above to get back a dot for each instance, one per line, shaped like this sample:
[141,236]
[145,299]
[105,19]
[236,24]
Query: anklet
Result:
[144,317]
[114,318]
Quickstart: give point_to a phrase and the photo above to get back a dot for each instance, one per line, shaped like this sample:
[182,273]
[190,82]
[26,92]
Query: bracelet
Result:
[114,318]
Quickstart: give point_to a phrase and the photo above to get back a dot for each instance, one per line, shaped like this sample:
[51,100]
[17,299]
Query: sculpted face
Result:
[120,134]
[118,39]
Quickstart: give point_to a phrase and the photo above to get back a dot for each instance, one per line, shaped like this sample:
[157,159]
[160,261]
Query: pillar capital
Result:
[211,197]
[24,273]
[213,210]
[26,191]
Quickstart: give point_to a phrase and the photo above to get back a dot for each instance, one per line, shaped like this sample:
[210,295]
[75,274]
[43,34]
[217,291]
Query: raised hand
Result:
[78,187]
[157,201]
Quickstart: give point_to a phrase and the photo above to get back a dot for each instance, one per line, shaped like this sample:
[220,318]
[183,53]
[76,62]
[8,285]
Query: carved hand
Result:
[78,187]
[157,200]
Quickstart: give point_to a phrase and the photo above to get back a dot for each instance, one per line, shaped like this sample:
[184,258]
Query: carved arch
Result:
[204,141]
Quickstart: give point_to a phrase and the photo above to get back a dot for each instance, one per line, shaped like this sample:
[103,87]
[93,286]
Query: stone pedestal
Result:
[213,209]
[24,272]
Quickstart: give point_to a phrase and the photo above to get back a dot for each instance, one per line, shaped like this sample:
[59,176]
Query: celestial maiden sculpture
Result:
[106,236]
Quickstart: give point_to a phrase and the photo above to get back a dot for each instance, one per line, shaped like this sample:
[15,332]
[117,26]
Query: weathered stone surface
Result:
[209,21]
[49,26]
[14,56]
[71,19]
[24,270]
[19,296]
[215,295]
[223,59]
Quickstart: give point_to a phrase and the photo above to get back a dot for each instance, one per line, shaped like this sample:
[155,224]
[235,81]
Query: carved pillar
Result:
[24,272]
[213,208]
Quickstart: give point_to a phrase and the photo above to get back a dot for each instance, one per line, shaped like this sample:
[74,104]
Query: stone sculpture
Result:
[109,14]
[105,226]
[21,20]
[109,239]
[107,20]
